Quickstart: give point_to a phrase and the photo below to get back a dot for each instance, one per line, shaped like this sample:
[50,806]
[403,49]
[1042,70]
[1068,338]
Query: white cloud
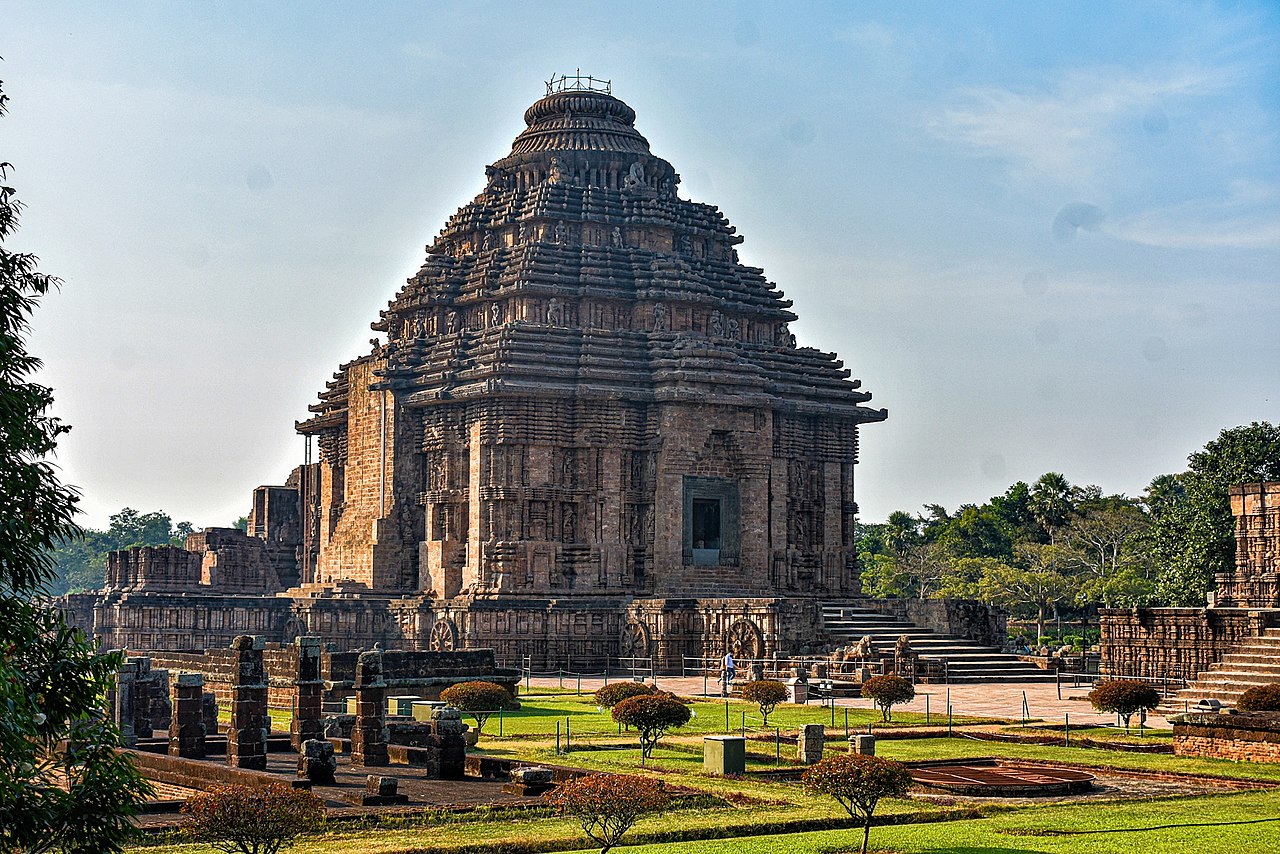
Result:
[1249,218]
[1067,134]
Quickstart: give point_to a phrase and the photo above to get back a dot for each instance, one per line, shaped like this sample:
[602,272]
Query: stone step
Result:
[1271,667]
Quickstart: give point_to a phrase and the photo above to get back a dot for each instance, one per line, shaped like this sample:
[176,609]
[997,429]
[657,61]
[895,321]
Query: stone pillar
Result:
[813,737]
[247,735]
[450,732]
[369,737]
[143,692]
[186,727]
[161,706]
[126,695]
[209,711]
[308,716]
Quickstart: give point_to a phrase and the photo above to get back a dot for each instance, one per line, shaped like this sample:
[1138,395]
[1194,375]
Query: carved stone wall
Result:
[1172,643]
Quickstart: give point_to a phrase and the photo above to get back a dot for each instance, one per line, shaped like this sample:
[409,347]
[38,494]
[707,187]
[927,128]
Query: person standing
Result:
[727,670]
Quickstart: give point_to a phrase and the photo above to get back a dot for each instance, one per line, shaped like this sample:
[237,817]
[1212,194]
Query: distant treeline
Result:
[82,563]
[1054,548]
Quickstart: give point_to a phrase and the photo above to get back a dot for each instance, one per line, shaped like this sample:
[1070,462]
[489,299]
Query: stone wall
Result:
[961,618]
[1239,737]
[1172,643]
[1254,580]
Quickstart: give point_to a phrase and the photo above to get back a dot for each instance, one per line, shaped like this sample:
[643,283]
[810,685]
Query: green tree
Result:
[858,783]
[651,715]
[63,786]
[479,699]
[1051,501]
[1108,547]
[1032,588]
[1193,531]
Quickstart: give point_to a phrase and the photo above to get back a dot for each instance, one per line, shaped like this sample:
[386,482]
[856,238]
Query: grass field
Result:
[759,813]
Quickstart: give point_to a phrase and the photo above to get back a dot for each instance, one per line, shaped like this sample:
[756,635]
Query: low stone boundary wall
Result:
[202,774]
[957,618]
[1241,737]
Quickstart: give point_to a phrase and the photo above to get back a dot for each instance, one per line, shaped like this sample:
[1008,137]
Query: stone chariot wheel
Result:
[635,640]
[744,639]
[444,636]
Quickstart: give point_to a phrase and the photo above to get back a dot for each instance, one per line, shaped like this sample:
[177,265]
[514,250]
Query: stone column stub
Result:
[247,735]
[369,736]
[308,696]
[186,727]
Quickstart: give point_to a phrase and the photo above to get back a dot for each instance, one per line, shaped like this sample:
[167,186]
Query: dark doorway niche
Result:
[710,522]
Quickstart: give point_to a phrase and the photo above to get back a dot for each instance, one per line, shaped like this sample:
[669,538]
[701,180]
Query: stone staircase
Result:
[966,660]
[1254,662]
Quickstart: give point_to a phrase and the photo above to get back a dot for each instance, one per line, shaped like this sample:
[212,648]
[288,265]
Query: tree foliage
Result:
[765,693]
[651,716]
[63,787]
[479,699]
[81,561]
[251,819]
[608,696]
[858,783]
[1124,697]
[608,805]
[887,692]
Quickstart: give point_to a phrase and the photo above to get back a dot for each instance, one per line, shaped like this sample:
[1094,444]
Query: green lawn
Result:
[539,714]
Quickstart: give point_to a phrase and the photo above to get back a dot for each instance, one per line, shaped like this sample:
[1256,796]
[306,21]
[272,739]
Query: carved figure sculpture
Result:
[553,171]
[733,329]
[635,176]
[717,324]
[560,232]
[659,318]
[617,236]
[495,314]
[555,312]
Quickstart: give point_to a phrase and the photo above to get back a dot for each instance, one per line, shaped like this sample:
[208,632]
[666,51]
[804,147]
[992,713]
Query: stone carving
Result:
[450,322]
[495,314]
[685,244]
[635,176]
[716,324]
[865,648]
[486,242]
[616,236]
[745,640]
[555,312]
[444,635]
[560,232]
[732,329]
[553,173]
[635,640]
[659,318]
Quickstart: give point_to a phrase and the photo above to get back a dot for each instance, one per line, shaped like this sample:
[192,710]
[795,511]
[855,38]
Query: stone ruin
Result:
[1179,643]
[585,431]
[186,754]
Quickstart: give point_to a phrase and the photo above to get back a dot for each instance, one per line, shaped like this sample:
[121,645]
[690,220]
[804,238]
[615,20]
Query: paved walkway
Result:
[997,700]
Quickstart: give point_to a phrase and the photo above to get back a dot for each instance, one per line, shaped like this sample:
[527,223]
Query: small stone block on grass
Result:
[529,781]
[813,738]
[724,755]
[422,709]
[862,744]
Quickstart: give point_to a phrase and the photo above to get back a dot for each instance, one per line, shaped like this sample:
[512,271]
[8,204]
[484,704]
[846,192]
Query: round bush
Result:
[858,783]
[651,715]
[479,699]
[1124,697]
[613,694]
[887,692]
[607,805]
[1260,698]
[766,694]
[251,818]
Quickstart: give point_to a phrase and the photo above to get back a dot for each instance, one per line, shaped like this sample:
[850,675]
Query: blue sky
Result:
[1045,235]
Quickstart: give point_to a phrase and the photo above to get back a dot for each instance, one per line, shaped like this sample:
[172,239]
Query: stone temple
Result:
[585,431]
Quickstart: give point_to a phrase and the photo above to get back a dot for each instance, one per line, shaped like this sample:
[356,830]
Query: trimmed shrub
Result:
[766,694]
[479,700]
[1260,698]
[858,783]
[607,805]
[651,716]
[251,819]
[611,695]
[1124,697]
[887,692]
